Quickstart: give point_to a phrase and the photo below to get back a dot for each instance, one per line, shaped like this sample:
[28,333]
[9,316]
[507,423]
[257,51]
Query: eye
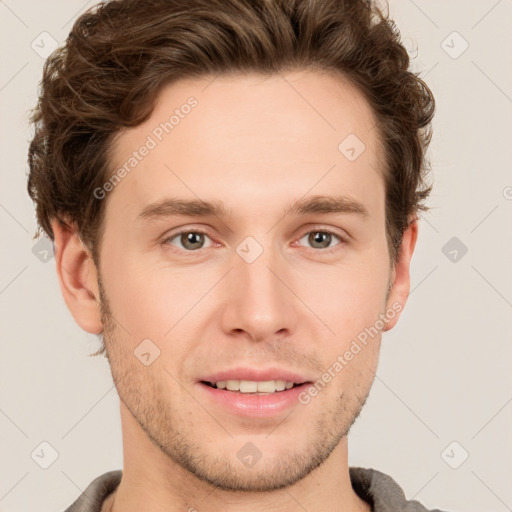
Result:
[194,240]
[190,240]
[321,238]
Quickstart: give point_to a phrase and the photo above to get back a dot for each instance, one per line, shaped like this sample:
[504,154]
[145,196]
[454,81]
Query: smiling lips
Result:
[250,380]
[252,386]
[254,393]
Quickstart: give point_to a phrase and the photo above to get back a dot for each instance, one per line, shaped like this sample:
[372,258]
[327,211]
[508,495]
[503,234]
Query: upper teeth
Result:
[251,386]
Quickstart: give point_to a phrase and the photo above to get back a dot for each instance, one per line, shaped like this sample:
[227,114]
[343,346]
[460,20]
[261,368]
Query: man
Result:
[232,190]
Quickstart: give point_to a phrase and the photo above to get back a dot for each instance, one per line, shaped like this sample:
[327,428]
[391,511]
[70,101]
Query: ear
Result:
[77,277]
[400,278]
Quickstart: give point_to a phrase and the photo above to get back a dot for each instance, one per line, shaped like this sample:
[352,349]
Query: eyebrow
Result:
[199,208]
[328,204]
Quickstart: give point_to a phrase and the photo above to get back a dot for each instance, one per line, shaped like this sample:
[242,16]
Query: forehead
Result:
[252,133]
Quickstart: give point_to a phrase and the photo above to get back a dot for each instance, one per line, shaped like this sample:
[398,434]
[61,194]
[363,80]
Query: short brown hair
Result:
[121,53]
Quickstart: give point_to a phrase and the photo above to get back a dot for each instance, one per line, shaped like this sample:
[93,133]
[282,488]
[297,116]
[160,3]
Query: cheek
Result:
[164,303]
[352,309]
[147,302]
[347,298]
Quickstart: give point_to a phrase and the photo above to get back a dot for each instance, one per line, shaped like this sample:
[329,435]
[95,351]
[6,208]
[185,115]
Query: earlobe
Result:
[401,283]
[77,275]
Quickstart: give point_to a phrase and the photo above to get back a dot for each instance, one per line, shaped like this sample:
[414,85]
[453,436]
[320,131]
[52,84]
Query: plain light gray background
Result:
[442,390]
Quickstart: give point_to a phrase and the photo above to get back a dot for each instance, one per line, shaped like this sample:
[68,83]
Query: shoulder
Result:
[91,500]
[382,492]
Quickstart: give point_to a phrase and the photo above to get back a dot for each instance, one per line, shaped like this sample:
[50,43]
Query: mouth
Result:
[252,387]
[254,392]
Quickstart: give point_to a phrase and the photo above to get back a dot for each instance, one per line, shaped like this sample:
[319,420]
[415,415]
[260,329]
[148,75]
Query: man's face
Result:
[261,288]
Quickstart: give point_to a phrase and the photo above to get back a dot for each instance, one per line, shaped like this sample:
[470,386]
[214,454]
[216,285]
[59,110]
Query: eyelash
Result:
[341,239]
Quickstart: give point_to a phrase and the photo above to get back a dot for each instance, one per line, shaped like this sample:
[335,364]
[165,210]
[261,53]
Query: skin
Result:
[256,144]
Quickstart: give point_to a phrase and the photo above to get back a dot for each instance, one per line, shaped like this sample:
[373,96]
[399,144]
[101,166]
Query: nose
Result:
[260,303]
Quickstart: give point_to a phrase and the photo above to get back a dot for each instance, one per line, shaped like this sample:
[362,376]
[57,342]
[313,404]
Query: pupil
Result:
[193,238]
[320,237]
